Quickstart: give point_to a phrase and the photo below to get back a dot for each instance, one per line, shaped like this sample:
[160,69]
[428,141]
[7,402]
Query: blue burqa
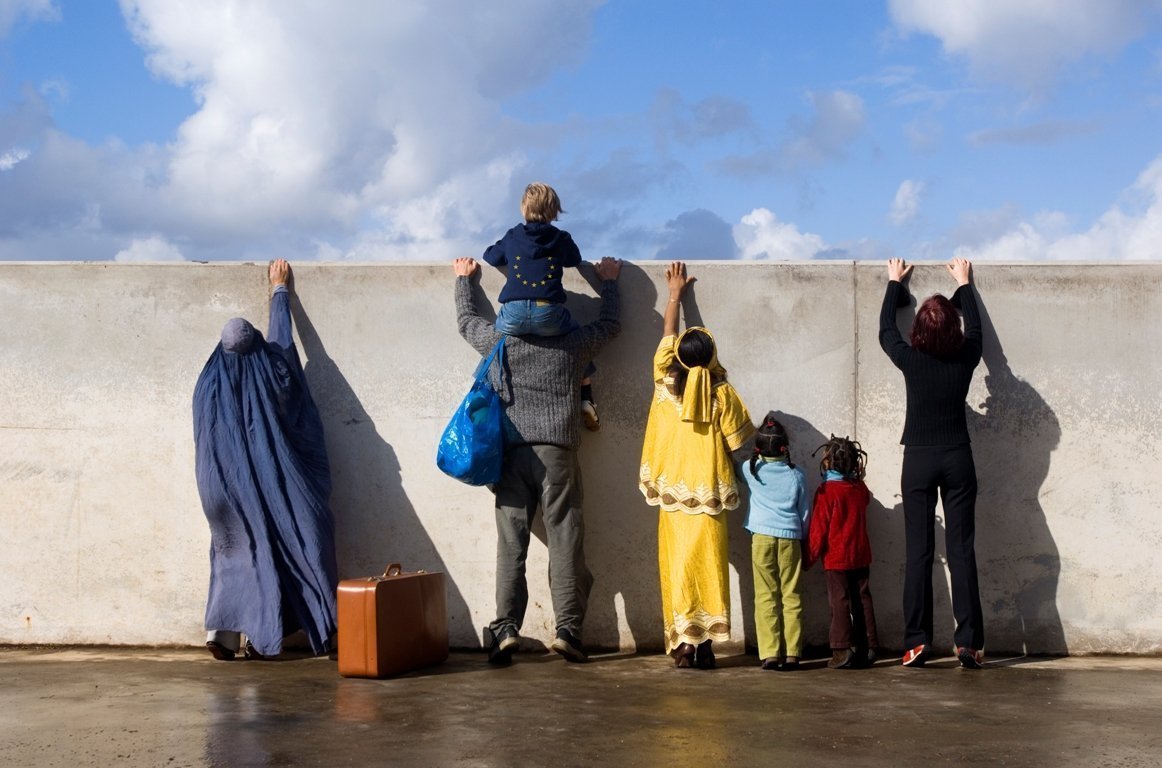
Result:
[264,480]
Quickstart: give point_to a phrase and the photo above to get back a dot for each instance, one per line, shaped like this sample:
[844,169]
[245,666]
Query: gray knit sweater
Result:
[541,383]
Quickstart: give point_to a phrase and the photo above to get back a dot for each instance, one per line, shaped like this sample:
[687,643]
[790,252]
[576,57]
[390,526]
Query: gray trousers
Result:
[548,477]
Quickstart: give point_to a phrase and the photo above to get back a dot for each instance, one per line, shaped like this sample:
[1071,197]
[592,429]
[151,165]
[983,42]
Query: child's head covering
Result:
[696,400]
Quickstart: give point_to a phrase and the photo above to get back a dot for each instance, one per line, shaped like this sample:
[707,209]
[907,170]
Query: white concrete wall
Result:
[104,539]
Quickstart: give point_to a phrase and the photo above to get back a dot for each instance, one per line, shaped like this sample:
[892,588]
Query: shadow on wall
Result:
[626,571]
[375,522]
[1014,434]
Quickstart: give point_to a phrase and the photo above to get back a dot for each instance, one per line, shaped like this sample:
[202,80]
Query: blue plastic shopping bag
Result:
[472,446]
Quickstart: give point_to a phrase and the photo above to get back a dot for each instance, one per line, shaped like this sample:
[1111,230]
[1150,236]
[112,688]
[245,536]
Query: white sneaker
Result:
[589,415]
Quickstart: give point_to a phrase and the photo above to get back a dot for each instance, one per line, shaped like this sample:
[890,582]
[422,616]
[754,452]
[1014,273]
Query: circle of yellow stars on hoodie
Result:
[534,283]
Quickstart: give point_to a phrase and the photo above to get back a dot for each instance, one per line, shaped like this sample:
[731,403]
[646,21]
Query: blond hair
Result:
[540,203]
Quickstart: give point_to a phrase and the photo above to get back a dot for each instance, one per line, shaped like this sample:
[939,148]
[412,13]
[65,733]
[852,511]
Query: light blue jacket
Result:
[778,500]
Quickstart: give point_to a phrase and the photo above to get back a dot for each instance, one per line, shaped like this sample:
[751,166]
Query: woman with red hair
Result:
[937,367]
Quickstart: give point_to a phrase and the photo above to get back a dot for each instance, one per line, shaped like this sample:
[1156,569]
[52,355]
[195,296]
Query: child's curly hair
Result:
[843,455]
[770,441]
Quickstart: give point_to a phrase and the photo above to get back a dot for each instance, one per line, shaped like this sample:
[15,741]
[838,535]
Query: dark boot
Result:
[704,656]
[843,658]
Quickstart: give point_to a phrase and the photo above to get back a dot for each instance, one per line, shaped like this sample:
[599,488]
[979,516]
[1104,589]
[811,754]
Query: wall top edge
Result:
[705,262]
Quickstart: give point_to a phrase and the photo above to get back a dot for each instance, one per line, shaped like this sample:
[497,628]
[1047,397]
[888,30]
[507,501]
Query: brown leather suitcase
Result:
[392,623]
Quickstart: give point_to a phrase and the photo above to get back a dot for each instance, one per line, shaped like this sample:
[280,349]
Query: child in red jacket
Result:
[838,536]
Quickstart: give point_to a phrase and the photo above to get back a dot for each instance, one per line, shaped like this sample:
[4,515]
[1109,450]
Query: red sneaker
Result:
[916,656]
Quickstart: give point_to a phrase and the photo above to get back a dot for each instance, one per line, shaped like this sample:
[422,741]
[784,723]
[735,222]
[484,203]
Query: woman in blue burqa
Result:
[264,480]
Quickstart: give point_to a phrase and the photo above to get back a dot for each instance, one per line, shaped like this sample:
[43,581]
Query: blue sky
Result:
[249,129]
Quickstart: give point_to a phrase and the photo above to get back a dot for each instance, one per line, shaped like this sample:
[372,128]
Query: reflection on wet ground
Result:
[181,708]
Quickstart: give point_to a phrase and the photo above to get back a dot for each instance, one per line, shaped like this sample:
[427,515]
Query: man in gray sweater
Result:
[541,392]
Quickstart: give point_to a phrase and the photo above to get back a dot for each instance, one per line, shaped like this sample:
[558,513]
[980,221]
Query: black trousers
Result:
[948,470]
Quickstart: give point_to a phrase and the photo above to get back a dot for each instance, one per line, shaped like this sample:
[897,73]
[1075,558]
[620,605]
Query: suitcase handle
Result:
[391,570]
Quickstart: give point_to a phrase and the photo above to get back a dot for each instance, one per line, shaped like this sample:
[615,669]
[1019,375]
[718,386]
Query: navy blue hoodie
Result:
[537,254]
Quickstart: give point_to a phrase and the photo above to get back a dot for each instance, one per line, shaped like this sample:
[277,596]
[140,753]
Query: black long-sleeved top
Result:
[936,386]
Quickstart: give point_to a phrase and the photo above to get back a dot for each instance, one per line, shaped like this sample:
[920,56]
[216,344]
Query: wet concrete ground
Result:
[175,708]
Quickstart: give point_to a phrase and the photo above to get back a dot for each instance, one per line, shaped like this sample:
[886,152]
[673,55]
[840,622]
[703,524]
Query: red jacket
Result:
[838,532]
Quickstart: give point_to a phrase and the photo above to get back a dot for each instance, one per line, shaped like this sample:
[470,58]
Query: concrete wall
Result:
[104,540]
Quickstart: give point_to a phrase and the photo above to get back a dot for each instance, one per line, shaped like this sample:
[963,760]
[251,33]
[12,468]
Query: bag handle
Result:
[485,364]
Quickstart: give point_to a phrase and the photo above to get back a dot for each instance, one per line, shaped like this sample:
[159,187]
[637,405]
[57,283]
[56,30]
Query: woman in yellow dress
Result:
[696,421]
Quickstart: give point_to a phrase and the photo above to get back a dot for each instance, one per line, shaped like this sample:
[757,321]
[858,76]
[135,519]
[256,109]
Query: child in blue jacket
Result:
[777,520]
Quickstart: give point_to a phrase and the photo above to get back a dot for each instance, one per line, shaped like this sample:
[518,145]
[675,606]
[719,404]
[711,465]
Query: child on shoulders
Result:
[532,302]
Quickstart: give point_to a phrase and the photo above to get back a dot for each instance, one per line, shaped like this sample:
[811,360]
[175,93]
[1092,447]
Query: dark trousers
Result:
[851,627]
[948,470]
[549,478]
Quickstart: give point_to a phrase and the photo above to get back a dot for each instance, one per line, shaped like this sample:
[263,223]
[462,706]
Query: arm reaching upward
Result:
[677,281]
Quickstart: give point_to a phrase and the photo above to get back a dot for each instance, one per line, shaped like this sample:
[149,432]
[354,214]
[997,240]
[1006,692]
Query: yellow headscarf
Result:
[696,399]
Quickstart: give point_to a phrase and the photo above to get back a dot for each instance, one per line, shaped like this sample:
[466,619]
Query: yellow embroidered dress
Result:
[686,470]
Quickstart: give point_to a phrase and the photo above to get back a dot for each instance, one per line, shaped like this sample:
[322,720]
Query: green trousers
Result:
[777,565]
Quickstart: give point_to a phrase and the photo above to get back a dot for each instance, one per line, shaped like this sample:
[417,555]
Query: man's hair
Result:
[540,203]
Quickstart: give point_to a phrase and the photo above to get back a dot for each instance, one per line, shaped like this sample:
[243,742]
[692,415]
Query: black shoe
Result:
[790,665]
[771,664]
[220,652]
[969,658]
[569,646]
[254,655]
[502,646]
[704,655]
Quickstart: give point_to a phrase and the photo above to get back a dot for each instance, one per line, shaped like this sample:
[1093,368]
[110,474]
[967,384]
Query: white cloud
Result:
[760,235]
[363,128]
[153,248]
[1028,41]
[1131,230]
[906,204]
[435,225]
[9,159]
[12,11]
